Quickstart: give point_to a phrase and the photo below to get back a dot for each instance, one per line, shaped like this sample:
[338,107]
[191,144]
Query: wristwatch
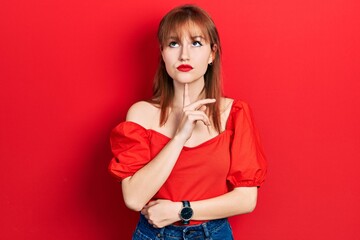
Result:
[186,213]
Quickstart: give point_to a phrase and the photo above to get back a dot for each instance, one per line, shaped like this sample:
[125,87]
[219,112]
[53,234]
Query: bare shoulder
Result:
[143,113]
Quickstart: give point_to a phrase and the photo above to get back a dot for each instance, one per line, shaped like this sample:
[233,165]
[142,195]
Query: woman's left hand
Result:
[161,213]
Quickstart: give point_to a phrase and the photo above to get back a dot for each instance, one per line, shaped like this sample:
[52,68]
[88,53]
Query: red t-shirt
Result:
[234,158]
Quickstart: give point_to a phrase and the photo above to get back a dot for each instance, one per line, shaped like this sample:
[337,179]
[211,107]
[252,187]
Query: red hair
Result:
[163,89]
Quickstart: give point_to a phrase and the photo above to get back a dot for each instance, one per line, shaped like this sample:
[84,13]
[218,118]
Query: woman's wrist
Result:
[178,138]
[178,207]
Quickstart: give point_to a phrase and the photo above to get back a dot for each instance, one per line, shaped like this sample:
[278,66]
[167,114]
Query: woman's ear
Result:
[212,54]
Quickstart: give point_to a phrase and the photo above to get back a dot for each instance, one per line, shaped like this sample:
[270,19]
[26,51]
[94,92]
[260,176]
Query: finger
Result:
[186,97]
[202,108]
[150,204]
[199,103]
[194,116]
[144,211]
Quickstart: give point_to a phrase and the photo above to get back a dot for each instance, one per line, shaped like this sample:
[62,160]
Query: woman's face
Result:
[187,57]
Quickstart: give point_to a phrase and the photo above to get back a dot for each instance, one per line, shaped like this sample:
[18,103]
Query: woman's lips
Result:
[184,68]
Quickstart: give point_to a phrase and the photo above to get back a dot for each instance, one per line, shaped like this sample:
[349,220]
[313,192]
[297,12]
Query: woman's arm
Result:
[241,200]
[143,185]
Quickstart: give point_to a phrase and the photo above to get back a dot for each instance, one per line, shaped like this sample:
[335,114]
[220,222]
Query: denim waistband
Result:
[205,229]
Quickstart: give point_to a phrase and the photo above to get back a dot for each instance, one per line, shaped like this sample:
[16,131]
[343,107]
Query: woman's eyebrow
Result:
[193,37]
[173,38]
[197,36]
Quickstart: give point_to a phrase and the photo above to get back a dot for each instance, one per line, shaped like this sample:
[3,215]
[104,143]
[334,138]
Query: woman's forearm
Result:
[143,185]
[239,201]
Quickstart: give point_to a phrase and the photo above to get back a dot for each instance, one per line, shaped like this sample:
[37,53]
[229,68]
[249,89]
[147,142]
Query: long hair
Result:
[163,89]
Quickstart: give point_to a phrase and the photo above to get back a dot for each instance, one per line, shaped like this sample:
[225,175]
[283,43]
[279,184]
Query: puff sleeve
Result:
[248,164]
[130,147]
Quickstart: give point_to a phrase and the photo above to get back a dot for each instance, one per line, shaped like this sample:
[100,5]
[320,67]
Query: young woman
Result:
[188,158]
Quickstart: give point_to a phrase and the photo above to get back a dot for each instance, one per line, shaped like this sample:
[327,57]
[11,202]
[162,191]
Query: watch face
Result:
[186,213]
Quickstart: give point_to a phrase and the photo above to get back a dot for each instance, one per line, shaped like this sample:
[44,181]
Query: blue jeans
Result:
[211,230]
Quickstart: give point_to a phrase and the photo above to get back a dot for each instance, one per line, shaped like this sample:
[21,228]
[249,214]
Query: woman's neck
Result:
[194,90]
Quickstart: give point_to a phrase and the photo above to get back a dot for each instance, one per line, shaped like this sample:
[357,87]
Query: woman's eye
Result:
[173,44]
[197,44]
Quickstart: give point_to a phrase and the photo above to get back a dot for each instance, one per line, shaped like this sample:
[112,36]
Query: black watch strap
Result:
[186,203]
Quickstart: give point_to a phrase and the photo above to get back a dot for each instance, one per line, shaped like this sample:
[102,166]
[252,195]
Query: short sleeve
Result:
[248,164]
[130,147]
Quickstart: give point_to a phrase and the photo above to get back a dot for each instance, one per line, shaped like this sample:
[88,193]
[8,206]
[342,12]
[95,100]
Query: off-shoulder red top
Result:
[234,158]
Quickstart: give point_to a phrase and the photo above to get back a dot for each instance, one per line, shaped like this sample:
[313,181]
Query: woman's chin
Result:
[187,80]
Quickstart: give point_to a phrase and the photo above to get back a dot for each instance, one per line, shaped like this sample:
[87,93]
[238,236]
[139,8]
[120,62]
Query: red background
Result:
[70,69]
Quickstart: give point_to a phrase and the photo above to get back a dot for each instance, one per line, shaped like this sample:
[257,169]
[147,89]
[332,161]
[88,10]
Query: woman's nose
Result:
[184,54]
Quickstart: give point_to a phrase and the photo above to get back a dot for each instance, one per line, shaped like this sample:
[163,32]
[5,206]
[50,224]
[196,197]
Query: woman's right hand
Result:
[192,112]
